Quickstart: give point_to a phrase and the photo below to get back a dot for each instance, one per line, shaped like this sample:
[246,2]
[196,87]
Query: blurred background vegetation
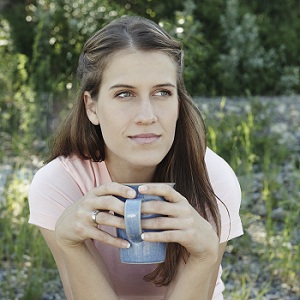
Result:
[234,48]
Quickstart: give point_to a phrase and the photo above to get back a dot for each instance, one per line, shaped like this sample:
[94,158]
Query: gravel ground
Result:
[285,115]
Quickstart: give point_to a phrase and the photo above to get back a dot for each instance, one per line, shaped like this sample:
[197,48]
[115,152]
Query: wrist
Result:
[209,256]
[69,245]
[204,258]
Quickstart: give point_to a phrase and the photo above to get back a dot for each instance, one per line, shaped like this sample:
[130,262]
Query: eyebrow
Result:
[115,86]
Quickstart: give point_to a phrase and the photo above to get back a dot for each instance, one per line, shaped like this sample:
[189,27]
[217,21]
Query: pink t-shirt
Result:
[65,180]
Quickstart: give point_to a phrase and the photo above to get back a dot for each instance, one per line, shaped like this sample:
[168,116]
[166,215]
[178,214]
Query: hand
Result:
[183,224]
[75,225]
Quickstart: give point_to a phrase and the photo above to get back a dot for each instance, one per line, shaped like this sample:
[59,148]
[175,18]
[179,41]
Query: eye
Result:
[124,94]
[163,93]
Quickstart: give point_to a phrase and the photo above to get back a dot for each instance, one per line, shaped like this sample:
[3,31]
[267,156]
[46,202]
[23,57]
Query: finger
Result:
[108,219]
[184,237]
[168,236]
[165,208]
[106,203]
[105,197]
[108,239]
[116,189]
[162,223]
[161,189]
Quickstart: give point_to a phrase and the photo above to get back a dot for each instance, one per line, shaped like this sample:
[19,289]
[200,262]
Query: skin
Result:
[137,109]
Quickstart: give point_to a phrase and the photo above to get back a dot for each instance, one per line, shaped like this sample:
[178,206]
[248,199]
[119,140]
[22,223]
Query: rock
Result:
[259,209]
[279,214]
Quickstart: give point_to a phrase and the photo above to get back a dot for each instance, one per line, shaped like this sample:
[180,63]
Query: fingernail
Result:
[130,193]
[127,245]
[143,188]
[142,236]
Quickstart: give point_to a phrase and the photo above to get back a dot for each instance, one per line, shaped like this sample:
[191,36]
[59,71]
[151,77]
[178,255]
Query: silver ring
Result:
[94,215]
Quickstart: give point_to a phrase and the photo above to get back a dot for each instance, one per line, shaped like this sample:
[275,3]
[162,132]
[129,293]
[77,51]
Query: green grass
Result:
[24,257]
[269,176]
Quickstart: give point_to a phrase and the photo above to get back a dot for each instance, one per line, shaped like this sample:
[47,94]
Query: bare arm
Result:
[216,268]
[191,280]
[197,278]
[82,270]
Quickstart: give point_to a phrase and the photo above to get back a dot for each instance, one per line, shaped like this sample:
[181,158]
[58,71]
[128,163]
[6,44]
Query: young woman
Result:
[134,122]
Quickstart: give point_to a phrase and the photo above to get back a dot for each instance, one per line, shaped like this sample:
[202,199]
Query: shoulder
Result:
[57,172]
[59,184]
[227,189]
[221,175]
[86,174]
[50,174]
[51,191]
[54,180]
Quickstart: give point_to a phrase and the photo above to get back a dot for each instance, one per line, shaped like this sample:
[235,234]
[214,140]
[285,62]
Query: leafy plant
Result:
[25,260]
[269,176]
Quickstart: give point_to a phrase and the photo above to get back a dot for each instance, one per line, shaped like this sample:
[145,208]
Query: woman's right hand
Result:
[75,225]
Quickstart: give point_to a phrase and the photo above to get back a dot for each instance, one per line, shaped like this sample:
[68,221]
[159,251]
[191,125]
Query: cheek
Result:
[173,120]
[106,117]
[112,126]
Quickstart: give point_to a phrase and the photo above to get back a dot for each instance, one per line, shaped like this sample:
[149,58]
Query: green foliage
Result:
[188,31]
[279,26]
[24,257]
[22,31]
[246,64]
[231,48]
[152,9]
[17,98]
[62,28]
[245,141]
[239,49]
[268,171]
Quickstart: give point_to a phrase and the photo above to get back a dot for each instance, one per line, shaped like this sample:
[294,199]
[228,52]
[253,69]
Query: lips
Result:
[145,138]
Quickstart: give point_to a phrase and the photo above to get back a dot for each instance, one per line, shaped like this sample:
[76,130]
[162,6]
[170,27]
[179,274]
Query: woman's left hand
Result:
[183,224]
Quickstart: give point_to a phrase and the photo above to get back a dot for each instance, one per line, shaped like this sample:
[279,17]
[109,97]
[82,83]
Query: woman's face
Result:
[137,109]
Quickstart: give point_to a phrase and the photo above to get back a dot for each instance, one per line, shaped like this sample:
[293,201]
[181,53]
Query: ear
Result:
[91,108]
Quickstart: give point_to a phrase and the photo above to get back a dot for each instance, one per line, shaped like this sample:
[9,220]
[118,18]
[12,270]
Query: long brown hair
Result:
[184,164]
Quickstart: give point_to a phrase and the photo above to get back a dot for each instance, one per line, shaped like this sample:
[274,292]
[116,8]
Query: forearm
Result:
[192,282]
[86,279]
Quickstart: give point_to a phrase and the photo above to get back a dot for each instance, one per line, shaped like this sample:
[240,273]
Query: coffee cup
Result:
[139,252]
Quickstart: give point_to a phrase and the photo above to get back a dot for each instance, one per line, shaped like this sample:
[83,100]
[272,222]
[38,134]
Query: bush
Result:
[17,98]
[246,64]
[231,48]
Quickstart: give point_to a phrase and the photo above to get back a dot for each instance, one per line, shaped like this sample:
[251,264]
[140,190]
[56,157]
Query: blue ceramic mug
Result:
[140,252]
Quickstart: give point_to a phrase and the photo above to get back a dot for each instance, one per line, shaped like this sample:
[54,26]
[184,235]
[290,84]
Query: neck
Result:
[124,174]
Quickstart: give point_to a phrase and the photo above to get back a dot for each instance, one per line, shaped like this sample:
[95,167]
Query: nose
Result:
[145,113]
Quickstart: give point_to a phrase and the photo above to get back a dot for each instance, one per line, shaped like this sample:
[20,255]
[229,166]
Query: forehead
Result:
[137,65]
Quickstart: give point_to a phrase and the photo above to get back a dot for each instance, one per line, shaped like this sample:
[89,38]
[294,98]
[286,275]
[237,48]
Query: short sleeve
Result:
[227,189]
[51,191]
